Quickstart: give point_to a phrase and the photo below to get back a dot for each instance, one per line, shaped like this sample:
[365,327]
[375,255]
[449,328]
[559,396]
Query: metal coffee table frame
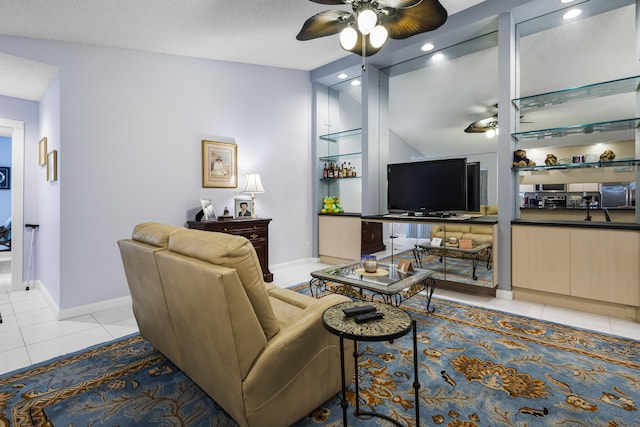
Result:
[396,323]
[343,279]
[477,253]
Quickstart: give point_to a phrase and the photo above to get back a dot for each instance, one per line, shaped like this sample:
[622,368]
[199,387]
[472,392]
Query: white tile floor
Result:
[30,334]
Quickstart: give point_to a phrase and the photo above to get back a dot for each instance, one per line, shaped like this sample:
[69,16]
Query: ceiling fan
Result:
[377,19]
[487,125]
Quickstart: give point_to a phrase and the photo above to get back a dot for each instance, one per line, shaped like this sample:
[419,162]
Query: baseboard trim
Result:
[294,262]
[92,308]
[82,309]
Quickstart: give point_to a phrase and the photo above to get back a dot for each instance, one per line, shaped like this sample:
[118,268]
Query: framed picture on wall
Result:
[52,165]
[219,164]
[42,151]
[5,178]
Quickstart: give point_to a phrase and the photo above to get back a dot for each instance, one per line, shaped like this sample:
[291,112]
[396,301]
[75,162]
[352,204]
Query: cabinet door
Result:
[339,237]
[598,272]
[540,259]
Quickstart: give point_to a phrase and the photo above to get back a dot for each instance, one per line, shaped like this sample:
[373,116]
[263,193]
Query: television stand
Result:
[441,214]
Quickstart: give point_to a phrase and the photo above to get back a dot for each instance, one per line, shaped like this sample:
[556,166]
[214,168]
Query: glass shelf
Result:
[339,179]
[336,136]
[626,163]
[336,157]
[589,128]
[613,87]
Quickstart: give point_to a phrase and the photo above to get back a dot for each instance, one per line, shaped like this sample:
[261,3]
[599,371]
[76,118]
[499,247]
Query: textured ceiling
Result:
[248,31]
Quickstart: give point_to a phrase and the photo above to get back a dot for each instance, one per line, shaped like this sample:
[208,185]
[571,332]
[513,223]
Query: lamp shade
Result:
[253,184]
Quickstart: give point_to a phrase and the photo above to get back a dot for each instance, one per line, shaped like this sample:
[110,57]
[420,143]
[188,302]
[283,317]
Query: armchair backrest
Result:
[233,252]
[221,334]
[147,294]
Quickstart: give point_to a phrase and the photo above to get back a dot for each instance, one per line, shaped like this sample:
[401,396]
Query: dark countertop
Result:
[340,214]
[484,220]
[577,208]
[578,224]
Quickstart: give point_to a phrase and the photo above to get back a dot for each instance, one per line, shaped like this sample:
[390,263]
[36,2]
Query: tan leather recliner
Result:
[259,351]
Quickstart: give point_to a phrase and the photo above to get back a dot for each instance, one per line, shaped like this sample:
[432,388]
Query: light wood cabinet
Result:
[586,263]
[583,186]
[605,265]
[540,259]
[339,238]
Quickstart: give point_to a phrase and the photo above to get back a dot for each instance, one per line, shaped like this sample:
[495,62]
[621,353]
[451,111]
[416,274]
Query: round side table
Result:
[396,323]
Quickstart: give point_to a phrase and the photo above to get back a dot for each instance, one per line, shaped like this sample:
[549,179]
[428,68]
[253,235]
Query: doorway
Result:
[15,128]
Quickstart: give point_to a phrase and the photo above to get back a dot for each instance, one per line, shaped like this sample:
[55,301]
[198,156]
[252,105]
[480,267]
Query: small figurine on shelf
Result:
[551,160]
[520,159]
[331,205]
[607,156]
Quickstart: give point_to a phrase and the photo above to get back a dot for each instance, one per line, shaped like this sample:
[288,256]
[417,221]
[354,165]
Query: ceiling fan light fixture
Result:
[490,133]
[378,36]
[367,20]
[348,38]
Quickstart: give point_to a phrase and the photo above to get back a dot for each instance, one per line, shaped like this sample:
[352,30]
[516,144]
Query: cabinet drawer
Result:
[251,233]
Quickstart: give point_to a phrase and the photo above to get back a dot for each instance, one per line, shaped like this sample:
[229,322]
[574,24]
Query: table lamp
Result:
[252,184]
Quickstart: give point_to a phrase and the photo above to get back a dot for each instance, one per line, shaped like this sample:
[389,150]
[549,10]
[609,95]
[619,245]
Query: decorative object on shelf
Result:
[551,160]
[219,164]
[520,159]
[242,207]
[225,215]
[253,185]
[607,156]
[42,151]
[52,165]
[379,20]
[332,205]
[370,265]
[5,178]
[208,213]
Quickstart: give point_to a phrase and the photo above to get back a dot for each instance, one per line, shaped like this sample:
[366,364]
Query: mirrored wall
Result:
[428,102]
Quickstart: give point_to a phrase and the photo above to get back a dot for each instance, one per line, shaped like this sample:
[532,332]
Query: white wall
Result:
[129,150]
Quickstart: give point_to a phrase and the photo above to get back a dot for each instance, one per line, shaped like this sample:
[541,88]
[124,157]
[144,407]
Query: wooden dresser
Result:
[254,229]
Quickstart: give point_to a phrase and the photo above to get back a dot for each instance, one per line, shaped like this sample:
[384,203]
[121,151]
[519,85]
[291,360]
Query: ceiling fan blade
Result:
[425,16]
[324,24]
[483,125]
[397,3]
[332,1]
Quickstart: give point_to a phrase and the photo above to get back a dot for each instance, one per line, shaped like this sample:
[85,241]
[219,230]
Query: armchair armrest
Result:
[303,345]
[434,230]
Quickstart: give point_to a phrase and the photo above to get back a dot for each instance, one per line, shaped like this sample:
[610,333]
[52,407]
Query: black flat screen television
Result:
[427,186]
[473,186]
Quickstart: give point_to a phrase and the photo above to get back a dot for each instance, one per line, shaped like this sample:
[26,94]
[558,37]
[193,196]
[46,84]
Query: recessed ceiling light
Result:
[343,76]
[427,47]
[437,57]
[355,82]
[566,1]
[572,14]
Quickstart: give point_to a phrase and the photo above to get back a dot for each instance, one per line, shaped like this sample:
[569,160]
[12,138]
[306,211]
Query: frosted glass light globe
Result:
[348,38]
[378,36]
[366,21]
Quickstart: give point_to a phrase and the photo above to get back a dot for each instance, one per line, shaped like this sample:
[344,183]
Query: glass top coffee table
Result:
[387,284]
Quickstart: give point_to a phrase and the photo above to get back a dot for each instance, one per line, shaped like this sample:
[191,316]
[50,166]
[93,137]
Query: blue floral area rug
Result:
[477,367]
